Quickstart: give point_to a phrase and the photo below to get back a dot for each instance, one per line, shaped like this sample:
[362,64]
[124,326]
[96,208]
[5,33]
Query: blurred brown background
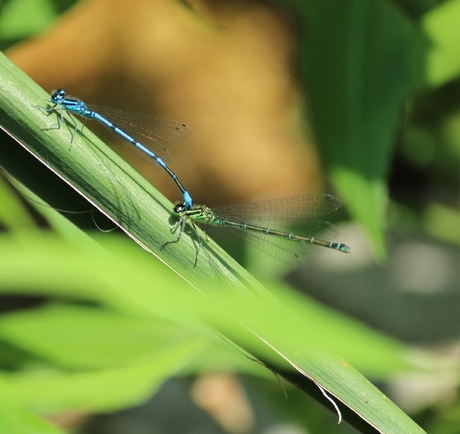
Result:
[226,69]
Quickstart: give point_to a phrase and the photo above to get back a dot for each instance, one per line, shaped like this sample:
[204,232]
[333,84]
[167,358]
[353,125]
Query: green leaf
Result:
[129,284]
[15,420]
[361,58]
[106,389]
[21,18]
[218,293]
[13,213]
[441,27]
[83,337]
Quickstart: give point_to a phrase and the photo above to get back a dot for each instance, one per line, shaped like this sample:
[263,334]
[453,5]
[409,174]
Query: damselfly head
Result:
[180,207]
[57,95]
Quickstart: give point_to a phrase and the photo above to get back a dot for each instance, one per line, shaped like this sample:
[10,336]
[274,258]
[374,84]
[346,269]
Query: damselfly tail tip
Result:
[343,248]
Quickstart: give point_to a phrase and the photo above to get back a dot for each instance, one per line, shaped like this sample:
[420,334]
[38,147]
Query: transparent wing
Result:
[288,251]
[147,130]
[294,213]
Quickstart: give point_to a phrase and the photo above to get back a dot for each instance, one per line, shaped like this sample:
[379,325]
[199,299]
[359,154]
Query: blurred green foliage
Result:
[383,88]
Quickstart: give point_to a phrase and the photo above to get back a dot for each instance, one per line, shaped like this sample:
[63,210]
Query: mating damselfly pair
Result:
[280,227]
